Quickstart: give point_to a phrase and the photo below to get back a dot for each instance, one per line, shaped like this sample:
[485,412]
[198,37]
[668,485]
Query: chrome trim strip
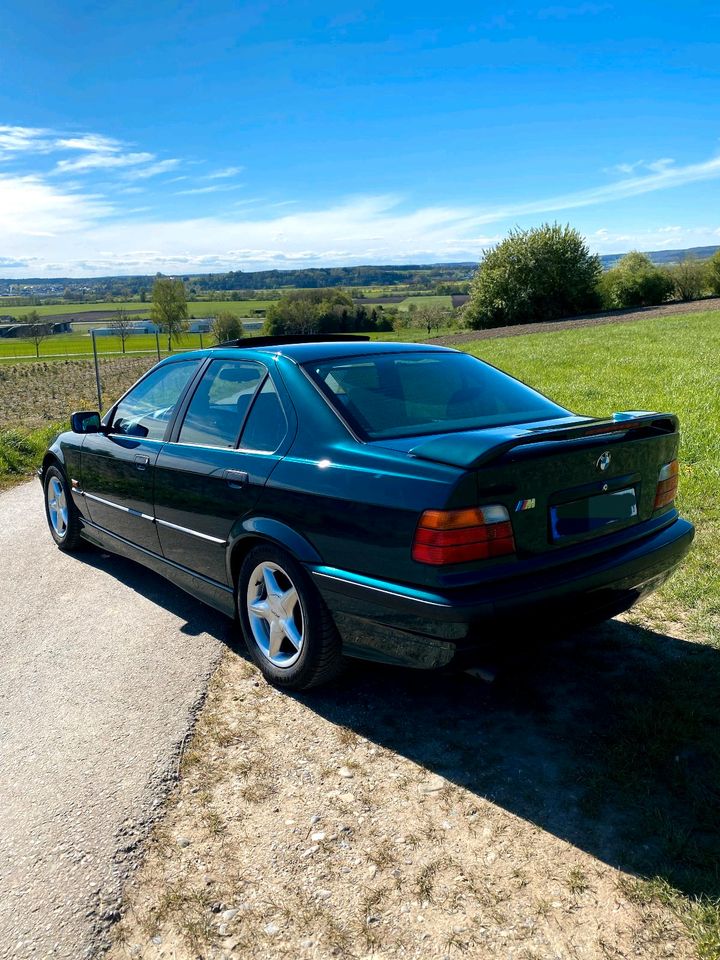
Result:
[156,556]
[144,516]
[117,506]
[193,533]
[391,593]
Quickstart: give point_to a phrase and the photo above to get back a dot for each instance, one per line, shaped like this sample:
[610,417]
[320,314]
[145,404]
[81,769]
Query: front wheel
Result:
[62,515]
[288,630]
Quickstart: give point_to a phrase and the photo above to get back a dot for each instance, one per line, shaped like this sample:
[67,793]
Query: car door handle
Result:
[141,461]
[235,478]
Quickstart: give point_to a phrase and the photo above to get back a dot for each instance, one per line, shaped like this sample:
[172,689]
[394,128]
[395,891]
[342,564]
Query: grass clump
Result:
[21,452]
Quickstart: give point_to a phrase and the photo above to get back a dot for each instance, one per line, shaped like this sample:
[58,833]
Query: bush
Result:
[635,282]
[534,275]
[322,311]
[226,326]
[713,274]
[689,278]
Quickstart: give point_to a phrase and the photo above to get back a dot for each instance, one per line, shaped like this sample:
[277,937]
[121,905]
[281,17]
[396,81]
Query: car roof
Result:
[310,352]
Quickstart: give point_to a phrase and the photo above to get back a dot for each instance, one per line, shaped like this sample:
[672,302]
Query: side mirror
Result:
[85,421]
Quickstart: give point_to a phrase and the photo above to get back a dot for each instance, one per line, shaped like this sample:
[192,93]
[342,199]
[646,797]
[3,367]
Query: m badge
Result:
[524,505]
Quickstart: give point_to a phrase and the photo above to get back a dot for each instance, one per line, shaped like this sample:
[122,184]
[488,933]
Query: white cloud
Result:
[224,173]
[29,207]
[664,178]
[162,166]
[215,188]
[102,161]
[94,142]
[15,140]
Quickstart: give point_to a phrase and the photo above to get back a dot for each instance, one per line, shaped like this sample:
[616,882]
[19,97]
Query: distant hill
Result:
[239,284]
[661,257]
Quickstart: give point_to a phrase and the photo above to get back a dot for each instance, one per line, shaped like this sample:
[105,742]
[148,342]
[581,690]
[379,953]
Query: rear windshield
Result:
[409,394]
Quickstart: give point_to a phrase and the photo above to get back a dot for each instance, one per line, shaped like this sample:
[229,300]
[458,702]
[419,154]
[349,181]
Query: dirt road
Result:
[103,666]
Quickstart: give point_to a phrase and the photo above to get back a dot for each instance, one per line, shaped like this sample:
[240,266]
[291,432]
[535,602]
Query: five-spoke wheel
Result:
[275,613]
[288,629]
[62,515]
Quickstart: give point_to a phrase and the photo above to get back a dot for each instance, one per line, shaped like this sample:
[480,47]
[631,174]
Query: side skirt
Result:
[215,594]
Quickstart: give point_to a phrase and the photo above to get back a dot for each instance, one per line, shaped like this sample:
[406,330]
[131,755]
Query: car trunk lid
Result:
[563,481]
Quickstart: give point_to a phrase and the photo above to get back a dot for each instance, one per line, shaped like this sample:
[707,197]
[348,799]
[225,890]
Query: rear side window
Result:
[266,426]
[409,394]
[220,403]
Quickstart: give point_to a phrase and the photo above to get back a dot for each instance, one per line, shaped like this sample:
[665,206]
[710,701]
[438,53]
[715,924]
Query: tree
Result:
[713,269]
[37,330]
[226,326]
[432,317]
[689,278]
[169,307]
[635,281]
[534,275]
[122,326]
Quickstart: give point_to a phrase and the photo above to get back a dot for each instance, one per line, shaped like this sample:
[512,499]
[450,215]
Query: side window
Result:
[148,408]
[220,402]
[266,426]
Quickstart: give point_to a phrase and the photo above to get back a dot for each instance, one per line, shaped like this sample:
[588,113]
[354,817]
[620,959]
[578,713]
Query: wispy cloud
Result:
[102,161]
[578,10]
[93,142]
[665,178]
[654,166]
[14,140]
[161,166]
[225,173]
[214,188]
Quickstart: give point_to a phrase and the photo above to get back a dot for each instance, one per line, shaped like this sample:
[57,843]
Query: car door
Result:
[220,456]
[118,464]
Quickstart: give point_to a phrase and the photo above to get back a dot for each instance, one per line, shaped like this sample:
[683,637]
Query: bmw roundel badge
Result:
[603,461]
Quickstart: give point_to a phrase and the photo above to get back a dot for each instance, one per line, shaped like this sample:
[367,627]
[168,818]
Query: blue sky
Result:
[202,136]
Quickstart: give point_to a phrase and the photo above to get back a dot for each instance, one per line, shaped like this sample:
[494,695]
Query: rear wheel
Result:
[288,629]
[62,515]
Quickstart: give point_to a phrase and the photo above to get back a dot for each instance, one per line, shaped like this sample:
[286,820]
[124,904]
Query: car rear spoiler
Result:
[474,448]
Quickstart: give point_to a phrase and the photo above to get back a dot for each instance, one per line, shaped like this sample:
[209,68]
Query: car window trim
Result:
[110,415]
[269,453]
[173,436]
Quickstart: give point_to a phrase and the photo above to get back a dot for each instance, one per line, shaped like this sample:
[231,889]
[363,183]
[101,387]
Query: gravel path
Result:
[93,710]
[592,320]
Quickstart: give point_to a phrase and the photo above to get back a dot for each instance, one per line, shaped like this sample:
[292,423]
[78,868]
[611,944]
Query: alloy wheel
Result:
[57,506]
[276,615]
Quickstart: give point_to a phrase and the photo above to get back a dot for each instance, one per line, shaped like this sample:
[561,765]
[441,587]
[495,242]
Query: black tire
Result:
[64,527]
[318,659]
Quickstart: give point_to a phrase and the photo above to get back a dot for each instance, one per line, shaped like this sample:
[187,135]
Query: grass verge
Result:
[667,364]
[21,452]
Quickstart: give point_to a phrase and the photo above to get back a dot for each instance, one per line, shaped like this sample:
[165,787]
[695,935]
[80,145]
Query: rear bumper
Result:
[395,623]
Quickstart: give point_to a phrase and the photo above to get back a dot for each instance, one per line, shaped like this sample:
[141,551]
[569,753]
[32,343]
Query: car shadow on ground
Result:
[198,617]
[607,739]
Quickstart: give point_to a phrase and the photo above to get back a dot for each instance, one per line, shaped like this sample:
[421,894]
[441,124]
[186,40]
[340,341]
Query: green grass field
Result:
[665,364]
[430,301]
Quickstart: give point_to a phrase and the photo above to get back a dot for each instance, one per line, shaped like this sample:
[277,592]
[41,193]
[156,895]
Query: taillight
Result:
[667,485]
[458,536]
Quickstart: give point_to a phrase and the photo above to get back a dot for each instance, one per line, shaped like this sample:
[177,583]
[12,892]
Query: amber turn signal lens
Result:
[459,536]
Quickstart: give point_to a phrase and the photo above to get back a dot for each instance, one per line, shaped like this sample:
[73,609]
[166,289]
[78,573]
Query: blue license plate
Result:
[593,513]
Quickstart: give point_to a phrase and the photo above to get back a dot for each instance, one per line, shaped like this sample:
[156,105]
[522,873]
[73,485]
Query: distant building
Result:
[147,326]
[21,331]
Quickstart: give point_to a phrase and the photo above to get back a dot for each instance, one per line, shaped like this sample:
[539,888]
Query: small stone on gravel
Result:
[346,772]
[433,785]
[183,842]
